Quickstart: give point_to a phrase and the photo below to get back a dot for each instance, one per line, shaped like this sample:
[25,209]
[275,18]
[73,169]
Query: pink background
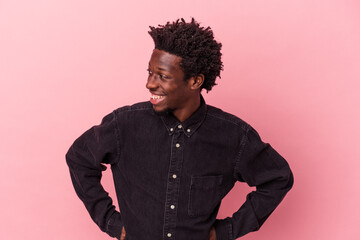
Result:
[292,70]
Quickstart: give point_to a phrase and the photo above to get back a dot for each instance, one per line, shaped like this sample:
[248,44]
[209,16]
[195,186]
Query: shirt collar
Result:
[190,125]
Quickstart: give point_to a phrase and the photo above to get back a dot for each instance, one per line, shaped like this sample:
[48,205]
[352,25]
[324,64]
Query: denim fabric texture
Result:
[171,176]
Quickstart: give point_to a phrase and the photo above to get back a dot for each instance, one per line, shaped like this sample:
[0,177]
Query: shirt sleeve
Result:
[86,158]
[261,166]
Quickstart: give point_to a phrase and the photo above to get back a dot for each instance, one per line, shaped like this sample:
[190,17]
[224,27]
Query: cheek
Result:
[171,88]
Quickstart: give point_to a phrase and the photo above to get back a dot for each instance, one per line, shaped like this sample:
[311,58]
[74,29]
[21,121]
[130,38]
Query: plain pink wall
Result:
[292,70]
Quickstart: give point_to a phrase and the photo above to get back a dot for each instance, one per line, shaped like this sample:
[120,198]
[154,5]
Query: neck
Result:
[186,112]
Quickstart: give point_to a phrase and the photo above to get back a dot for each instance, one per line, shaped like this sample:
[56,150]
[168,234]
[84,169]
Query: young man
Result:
[175,158]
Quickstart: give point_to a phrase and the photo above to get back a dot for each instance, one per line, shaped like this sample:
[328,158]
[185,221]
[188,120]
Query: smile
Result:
[156,96]
[155,99]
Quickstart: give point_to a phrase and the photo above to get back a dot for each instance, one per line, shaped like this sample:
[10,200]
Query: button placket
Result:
[173,186]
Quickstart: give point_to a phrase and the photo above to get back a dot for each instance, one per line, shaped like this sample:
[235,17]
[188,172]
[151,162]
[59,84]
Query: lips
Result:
[156,99]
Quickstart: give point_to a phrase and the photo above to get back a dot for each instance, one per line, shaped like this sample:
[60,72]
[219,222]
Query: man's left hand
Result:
[212,234]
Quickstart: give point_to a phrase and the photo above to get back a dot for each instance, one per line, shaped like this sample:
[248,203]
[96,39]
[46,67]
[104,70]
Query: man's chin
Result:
[163,112]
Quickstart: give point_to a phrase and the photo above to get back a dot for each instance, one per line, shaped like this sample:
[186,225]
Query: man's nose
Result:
[152,82]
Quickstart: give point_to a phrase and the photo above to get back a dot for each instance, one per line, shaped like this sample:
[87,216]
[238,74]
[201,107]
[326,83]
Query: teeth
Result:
[156,97]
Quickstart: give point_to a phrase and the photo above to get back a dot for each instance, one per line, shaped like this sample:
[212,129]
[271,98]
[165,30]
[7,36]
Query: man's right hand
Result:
[123,233]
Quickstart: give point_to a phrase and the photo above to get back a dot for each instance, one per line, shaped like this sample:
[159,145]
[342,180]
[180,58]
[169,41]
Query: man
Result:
[175,158]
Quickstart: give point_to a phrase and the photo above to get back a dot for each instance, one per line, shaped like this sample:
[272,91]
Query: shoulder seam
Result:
[243,126]
[132,108]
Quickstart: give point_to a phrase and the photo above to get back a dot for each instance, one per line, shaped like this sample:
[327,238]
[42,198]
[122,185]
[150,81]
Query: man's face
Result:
[169,91]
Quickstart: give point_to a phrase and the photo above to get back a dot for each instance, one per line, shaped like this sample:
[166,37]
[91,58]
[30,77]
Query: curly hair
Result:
[196,46]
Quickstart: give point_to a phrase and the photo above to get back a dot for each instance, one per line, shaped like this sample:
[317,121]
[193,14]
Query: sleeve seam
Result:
[117,135]
[238,156]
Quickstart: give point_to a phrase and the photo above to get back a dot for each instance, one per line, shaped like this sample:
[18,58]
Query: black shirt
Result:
[171,176]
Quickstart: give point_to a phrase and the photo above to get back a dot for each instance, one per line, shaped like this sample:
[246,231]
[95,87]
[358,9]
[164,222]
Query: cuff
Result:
[223,229]
[115,225]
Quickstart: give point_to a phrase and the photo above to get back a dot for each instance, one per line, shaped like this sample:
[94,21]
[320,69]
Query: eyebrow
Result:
[160,68]
[163,69]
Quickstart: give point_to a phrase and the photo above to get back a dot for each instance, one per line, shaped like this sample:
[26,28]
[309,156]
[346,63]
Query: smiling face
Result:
[169,91]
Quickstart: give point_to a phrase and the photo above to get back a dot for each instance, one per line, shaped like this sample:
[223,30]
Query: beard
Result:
[165,112]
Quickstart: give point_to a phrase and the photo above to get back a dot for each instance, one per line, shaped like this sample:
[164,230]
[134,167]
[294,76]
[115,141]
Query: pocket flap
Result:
[206,182]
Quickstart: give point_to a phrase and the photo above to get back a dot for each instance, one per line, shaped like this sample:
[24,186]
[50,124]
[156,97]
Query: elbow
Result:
[290,180]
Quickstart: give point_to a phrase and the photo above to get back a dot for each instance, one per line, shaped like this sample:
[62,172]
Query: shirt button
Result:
[172,206]
[179,126]
[177,145]
[171,129]
[169,234]
[174,176]
[188,130]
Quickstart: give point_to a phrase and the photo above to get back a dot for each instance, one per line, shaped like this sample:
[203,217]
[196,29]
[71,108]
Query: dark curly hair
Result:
[196,46]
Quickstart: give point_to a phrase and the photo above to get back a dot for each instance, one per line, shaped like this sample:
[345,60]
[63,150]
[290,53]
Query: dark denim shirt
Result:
[171,176]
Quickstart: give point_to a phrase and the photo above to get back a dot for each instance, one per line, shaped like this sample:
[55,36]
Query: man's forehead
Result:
[164,60]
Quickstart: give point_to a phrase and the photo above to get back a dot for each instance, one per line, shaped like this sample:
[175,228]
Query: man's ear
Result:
[197,81]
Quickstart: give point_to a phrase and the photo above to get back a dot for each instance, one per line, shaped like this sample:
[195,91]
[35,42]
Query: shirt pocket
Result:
[204,194]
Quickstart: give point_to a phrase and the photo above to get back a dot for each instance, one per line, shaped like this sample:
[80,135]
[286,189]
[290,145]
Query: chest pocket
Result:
[204,194]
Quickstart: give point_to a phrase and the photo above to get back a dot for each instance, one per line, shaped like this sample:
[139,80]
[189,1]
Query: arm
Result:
[85,159]
[259,165]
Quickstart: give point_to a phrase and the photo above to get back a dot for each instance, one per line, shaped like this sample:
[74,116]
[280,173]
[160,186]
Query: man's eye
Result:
[163,76]
[149,71]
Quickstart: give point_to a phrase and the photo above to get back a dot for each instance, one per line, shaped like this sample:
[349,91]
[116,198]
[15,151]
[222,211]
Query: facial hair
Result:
[165,112]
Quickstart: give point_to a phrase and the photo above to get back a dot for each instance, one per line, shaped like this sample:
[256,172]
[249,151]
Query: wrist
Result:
[223,229]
